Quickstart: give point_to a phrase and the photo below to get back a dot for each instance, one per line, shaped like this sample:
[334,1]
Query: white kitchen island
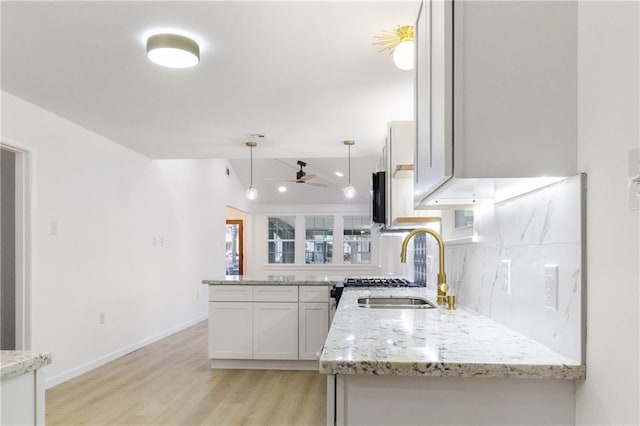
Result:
[435,366]
[22,387]
[268,322]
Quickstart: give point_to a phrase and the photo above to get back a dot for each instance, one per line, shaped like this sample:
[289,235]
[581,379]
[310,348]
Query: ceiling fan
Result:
[303,177]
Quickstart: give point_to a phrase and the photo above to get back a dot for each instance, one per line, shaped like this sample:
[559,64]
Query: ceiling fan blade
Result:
[321,185]
[305,178]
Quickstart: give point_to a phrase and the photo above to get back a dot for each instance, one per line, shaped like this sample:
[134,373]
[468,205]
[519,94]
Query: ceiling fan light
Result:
[403,55]
[349,191]
[252,193]
[173,50]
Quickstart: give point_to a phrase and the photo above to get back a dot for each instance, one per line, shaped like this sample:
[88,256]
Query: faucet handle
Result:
[451,302]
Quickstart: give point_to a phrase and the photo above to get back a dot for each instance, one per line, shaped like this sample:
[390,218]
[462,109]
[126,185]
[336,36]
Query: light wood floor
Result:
[170,383]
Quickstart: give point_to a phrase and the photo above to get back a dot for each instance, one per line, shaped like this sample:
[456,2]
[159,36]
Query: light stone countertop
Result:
[275,279]
[433,342]
[16,363]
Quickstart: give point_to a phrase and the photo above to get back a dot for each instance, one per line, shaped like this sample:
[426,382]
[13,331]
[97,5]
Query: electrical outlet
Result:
[505,275]
[102,318]
[551,286]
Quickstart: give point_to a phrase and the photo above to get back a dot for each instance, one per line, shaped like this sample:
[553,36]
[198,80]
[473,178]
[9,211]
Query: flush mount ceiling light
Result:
[252,193]
[349,190]
[400,43]
[173,50]
[282,188]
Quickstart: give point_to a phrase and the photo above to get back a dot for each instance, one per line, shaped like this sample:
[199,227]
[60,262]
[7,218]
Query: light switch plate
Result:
[551,286]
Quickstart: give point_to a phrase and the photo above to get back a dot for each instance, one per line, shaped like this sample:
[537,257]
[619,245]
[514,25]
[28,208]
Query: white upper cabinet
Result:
[398,162]
[496,99]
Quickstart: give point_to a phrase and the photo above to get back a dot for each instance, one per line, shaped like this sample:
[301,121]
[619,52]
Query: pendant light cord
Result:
[349,164]
[251,168]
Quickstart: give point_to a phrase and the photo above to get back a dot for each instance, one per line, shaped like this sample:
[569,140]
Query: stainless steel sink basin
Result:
[395,302]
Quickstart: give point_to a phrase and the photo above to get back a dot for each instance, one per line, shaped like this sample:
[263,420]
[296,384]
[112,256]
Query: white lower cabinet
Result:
[275,330]
[313,326]
[231,330]
[267,323]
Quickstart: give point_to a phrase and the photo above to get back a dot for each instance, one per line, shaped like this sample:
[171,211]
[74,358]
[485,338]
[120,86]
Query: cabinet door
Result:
[434,101]
[275,330]
[314,327]
[230,330]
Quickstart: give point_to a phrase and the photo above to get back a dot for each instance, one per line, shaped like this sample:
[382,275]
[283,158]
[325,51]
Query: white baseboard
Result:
[264,364]
[74,372]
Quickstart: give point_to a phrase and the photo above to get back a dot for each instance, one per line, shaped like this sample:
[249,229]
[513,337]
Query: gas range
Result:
[377,282]
[370,282]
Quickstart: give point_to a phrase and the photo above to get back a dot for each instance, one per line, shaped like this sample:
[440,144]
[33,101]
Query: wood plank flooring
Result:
[170,383]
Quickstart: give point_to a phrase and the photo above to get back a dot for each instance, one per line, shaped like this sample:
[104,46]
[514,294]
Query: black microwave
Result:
[378,198]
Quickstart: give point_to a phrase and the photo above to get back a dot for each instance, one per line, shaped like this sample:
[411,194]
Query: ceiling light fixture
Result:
[401,43]
[339,174]
[252,193]
[349,190]
[173,50]
[282,188]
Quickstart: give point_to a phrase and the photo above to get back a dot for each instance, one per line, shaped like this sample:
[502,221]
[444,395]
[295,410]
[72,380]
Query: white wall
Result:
[135,237]
[608,75]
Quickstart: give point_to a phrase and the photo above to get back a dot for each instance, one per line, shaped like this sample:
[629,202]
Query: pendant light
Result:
[252,193]
[349,190]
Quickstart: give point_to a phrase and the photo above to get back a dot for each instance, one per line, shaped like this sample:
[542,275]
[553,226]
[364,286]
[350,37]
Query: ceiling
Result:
[304,74]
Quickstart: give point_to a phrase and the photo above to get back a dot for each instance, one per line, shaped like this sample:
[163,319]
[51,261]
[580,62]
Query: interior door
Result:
[234,249]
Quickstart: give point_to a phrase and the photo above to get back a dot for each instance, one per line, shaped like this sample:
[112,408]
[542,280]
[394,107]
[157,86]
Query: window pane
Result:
[281,239]
[357,239]
[318,239]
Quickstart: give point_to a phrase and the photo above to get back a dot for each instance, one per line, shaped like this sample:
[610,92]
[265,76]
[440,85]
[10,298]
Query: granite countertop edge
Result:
[275,280]
[446,369]
[17,363]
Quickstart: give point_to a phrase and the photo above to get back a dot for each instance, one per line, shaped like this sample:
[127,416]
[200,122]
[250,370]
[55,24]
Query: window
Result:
[281,239]
[318,246]
[357,239]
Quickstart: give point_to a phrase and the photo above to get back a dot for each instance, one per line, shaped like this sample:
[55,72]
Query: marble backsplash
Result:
[543,227]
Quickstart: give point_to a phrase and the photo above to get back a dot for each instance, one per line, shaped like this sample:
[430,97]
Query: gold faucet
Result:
[442,277]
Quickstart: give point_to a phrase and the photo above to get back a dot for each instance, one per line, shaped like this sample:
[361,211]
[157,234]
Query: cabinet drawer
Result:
[275,293]
[314,294]
[229,293]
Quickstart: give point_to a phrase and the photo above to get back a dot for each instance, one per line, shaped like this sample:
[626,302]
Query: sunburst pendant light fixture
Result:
[252,193]
[401,43]
[349,190]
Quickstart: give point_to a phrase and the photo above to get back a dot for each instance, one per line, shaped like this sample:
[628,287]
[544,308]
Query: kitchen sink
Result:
[395,302]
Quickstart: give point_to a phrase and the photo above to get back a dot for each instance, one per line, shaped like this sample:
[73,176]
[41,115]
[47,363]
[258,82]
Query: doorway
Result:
[234,248]
[15,301]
